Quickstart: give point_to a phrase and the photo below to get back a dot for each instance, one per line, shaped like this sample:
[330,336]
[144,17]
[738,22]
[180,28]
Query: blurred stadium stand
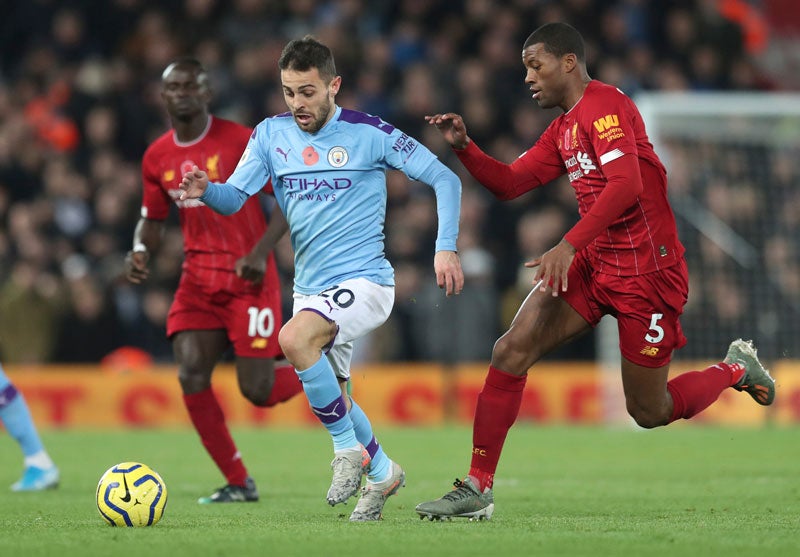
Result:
[79,102]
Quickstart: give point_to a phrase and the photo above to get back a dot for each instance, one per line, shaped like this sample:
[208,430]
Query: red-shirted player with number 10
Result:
[229,292]
[622,258]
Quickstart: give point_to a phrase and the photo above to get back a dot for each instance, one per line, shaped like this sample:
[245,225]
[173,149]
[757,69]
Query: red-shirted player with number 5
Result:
[622,258]
[229,292]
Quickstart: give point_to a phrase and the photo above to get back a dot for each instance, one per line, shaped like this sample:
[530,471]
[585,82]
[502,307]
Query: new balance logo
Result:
[651,351]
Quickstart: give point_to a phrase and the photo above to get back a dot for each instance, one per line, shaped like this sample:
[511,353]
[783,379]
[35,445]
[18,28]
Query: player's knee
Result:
[257,395]
[192,381]
[297,341]
[291,342]
[648,418]
[511,355]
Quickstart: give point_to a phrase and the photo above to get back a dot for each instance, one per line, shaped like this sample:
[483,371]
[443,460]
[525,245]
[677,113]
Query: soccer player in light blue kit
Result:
[40,472]
[327,165]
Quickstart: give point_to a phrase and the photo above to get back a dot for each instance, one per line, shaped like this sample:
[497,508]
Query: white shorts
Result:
[357,306]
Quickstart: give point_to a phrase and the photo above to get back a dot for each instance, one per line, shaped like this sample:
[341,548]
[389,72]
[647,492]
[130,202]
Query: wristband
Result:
[139,247]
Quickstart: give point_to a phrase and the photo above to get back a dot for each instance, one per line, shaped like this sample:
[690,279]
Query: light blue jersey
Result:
[331,186]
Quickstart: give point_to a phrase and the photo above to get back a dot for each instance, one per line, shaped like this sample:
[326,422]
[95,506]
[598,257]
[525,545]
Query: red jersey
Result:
[603,126]
[212,242]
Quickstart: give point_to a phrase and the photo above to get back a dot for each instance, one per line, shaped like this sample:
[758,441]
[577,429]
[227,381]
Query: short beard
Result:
[323,117]
[184,118]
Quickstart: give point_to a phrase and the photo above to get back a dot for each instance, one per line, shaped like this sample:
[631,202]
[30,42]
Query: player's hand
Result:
[448,272]
[194,184]
[553,268]
[452,127]
[251,268]
[136,269]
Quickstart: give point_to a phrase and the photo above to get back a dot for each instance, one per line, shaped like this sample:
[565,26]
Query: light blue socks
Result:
[17,418]
[326,400]
[380,466]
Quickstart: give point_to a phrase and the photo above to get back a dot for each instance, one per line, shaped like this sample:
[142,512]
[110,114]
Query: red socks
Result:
[209,421]
[496,411]
[500,400]
[695,391]
[286,385]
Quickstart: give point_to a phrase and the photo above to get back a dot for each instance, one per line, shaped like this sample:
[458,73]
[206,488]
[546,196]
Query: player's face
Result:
[185,93]
[309,97]
[545,76]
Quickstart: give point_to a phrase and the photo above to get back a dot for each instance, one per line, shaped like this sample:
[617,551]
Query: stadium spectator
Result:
[89,316]
[229,294]
[622,258]
[31,305]
[327,165]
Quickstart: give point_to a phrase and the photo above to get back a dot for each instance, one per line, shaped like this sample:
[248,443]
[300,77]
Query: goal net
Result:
[733,163]
[733,167]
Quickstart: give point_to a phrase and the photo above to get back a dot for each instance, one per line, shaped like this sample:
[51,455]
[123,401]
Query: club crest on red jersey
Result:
[212,167]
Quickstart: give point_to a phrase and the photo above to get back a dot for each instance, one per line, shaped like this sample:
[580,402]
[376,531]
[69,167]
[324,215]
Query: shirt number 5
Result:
[656,333]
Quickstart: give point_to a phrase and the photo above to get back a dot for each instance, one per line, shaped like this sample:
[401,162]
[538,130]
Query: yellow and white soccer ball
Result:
[131,494]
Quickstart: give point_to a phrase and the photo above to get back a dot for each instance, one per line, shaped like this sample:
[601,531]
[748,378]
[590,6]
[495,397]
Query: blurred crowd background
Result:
[79,103]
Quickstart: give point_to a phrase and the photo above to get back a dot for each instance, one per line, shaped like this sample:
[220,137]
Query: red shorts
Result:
[250,314]
[647,307]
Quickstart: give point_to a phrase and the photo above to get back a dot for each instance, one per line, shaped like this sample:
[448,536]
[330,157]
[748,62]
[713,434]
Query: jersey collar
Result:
[198,139]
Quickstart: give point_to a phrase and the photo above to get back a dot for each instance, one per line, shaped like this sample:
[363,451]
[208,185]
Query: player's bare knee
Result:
[297,341]
[512,356]
[648,418]
[292,342]
[193,381]
[257,395]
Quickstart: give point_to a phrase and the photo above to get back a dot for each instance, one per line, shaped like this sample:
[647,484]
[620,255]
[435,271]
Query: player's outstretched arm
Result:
[452,128]
[448,272]
[225,199]
[194,184]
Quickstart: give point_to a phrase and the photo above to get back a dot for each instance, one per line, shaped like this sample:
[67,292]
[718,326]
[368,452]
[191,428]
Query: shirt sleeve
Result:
[624,184]
[610,127]
[611,132]
[225,199]
[538,165]
[405,153]
[253,170]
[447,187]
[155,200]
[248,178]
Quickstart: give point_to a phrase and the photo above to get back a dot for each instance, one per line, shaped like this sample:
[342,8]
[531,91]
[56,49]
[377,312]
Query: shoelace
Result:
[461,491]
[342,464]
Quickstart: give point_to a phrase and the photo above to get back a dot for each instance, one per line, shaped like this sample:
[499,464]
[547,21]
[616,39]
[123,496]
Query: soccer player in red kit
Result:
[229,292]
[622,258]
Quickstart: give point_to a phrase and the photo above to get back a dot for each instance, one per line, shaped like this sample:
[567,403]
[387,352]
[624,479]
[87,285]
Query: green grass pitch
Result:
[571,491]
